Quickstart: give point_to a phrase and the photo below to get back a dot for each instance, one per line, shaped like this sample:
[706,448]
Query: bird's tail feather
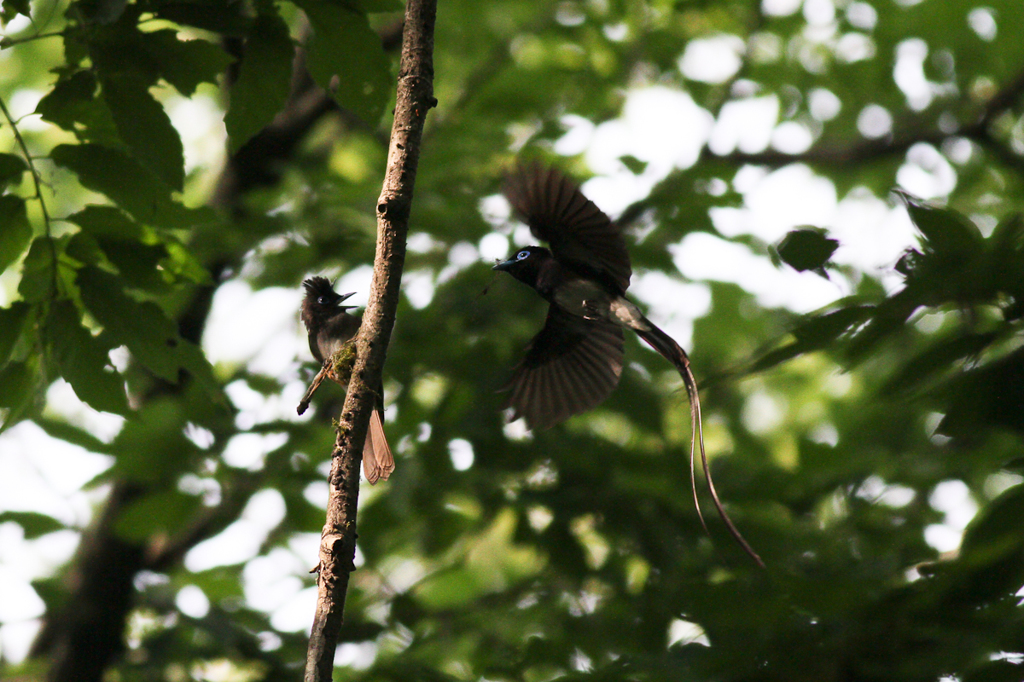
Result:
[671,351]
[378,462]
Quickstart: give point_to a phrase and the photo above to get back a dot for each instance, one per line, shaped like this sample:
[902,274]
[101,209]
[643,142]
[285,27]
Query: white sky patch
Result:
[661,126]
[780,8]
[926,173]
[909,73]
[418,287]
[791,137]
[496,210]
[819,12]
[763,412]
[61,398]
[746,125]
[16,638]
[778,202]
[199,121]
[494,246]
[701,256]
[293,615]
[686,632]
[982,21]
[953,499]
[46,475]
[854,47]
[242,539]
[192,601]
[461,452]
[18,601]
[712,60]
[256,408]
[579,133]
[248,450]
[671,303]
[823,104]
[259,327]
[22,106]
[358,656]
[874,121]
[872,233]
[861,15]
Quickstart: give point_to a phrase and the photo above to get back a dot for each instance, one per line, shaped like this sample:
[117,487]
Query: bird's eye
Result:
[322,300]
[522,254]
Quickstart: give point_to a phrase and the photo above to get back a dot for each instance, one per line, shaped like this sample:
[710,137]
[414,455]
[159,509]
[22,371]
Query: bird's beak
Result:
[345,296]
[504,265]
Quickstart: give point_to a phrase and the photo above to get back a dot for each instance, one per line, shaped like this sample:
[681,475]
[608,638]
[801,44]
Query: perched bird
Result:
[576,359]
[330,327]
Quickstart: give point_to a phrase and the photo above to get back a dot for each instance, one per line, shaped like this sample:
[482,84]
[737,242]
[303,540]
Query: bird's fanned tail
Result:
[378,462]
[671,351]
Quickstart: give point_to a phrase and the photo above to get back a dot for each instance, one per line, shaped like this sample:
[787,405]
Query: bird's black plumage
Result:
[329,327]
[576,359]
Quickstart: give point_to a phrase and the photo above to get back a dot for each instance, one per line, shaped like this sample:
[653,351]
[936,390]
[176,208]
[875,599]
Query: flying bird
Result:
[330,326]
[575,361]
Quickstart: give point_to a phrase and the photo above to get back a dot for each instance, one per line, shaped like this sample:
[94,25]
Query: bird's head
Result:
[321,299]
[526,264]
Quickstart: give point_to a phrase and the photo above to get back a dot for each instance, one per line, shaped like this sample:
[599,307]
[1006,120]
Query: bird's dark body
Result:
[330,327]
[576,360]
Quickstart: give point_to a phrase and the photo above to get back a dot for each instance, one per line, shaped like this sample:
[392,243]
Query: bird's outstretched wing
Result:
[571,365]
[580,234]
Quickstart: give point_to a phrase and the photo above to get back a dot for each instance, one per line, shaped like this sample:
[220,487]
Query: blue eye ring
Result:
[522,255]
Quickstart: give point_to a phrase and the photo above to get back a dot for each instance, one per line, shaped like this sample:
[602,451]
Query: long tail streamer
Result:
[671,351]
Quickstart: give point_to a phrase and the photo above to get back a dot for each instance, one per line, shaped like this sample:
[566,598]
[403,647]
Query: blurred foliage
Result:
[574,554]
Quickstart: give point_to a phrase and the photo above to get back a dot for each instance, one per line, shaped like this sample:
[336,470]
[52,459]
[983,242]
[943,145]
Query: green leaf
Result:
[84,248]
[73,105]
[994,671]
[145,127]
[227,19]
[345,57]
[144,327]
[109,236]
[12,8]
[107,221]
[194,360]
[184,265]
[11,168]
[135,189]
[264,80]
[102,11]
[33,523]
[15,231]
[163,512]
[938,358]
[375,6]
[186,63]
[72,434]
[152,447]
[805,249]
[814,334]
[37,271]
[945,230]
[83,360]
[16,389]
[12,324]
[635,165]
[136,263]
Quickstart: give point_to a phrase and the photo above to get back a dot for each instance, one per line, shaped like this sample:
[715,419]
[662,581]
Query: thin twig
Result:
[317,380]
[338,542]
[39,190]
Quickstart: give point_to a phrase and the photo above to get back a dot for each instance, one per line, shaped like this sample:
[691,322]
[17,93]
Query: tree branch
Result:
[338,542]
[81,639]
